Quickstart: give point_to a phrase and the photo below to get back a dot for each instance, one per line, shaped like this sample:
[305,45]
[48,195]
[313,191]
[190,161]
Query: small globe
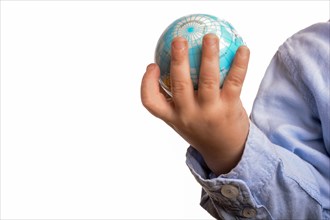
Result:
[193,28]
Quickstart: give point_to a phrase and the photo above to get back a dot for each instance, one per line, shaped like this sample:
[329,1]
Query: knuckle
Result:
[186,122]
[179,86]
[147,103]
[240,67]
[210,115]
[177,57]
[209,83]
[154,109]
[235,80]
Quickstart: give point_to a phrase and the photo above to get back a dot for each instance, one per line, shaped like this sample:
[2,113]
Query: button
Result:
[249,213]
[229,191]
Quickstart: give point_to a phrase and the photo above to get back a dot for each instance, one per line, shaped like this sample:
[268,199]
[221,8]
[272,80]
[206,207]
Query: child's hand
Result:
[212,120]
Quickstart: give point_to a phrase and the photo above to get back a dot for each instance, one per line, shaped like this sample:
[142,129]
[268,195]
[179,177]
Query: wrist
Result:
[222,159]
[222,164]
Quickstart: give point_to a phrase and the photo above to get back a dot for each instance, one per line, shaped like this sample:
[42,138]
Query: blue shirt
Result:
[284,172]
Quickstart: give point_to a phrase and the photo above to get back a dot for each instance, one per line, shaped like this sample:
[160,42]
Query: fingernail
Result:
[179,44]
[151,66]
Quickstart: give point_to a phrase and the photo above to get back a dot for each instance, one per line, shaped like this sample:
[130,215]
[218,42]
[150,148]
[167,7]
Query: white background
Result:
[75,140]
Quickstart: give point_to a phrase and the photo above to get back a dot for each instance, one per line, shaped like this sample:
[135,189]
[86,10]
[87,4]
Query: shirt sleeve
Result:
[284,171]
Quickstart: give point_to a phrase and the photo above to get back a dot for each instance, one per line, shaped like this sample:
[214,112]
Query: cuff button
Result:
[229,191]
[249,213]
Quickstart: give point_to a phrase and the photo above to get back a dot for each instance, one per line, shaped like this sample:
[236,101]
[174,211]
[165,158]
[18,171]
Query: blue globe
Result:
[193,28]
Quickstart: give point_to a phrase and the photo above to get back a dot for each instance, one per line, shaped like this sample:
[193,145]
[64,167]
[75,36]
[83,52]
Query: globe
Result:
[193,27]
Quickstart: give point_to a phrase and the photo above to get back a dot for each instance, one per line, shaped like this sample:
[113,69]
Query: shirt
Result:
[284,172]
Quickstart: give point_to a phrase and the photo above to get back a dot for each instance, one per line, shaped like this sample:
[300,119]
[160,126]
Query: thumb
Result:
[233,83]
[151,96]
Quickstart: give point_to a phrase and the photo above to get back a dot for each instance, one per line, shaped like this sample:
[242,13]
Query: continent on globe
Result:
[193,28]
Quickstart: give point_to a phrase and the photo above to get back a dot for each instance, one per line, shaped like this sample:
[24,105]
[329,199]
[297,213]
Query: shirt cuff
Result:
[232,191]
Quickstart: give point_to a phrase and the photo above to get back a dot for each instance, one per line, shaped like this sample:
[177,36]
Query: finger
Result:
[181,83]
[151,96]
[209,76]
[234,81]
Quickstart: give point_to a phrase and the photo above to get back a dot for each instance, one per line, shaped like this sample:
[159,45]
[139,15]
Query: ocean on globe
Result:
[193,28]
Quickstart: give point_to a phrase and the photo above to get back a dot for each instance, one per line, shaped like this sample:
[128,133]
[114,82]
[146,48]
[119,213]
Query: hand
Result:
[210,119]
